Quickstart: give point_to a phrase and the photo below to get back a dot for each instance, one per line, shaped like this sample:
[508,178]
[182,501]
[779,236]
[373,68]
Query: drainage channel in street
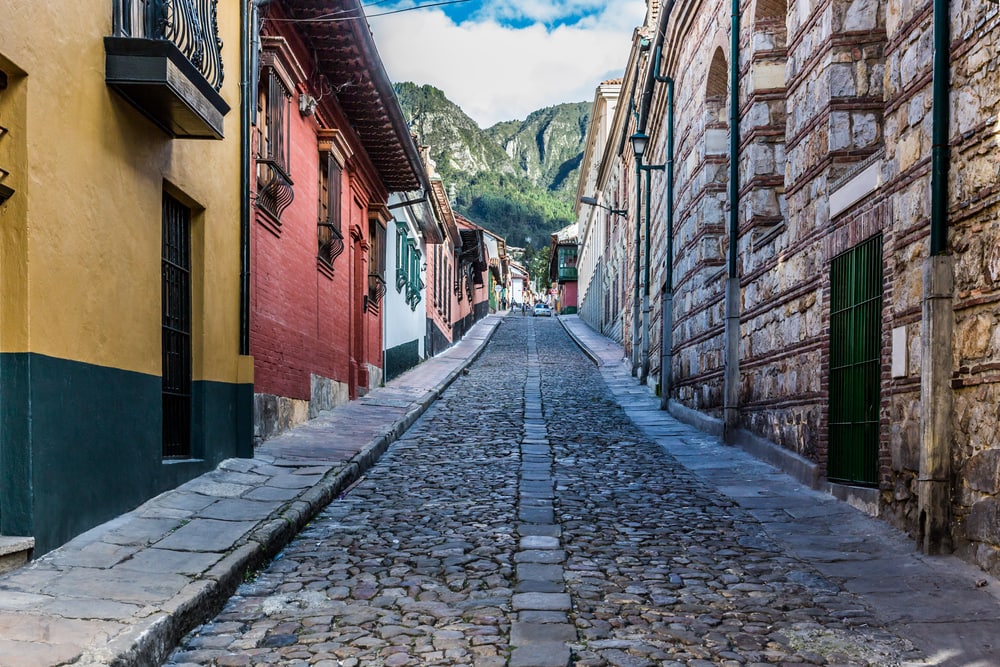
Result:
[542,629]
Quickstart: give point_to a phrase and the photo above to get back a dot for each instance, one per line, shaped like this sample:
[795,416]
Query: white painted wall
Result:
[401,323]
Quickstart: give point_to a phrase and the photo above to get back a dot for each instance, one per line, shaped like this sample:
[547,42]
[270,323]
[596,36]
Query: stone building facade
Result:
[834,220]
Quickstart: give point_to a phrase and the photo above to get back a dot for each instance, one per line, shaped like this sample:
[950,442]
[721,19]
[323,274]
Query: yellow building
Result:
[121,314]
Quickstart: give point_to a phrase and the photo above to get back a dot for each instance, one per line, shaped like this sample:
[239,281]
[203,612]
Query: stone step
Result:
[14,551]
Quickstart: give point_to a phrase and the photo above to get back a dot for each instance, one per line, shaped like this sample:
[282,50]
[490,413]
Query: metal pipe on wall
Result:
[731,389]
[938,320]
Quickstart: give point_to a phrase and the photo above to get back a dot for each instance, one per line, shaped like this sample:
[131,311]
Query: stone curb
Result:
[150,640]
[579,343]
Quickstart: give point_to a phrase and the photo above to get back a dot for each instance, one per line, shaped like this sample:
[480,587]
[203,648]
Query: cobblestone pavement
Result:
[525,521]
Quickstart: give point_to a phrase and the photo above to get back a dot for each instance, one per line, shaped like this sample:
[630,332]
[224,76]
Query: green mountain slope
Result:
[517,178]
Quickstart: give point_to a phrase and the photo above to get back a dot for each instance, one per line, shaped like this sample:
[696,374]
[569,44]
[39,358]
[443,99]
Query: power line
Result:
[334,16]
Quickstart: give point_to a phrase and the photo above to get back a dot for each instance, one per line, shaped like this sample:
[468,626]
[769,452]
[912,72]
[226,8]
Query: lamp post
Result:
[591,201]
[639,142]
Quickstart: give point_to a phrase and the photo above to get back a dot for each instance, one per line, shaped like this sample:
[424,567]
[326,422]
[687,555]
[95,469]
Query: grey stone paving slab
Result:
[270,493]
[541,655]
[539,571]
[116,585]
[541,601]
[206,535]
[536,515]
[537,616]
[539,586]
[157,560]
[522,633]
[539,542]
[545,556]
[549,529]
[243,509]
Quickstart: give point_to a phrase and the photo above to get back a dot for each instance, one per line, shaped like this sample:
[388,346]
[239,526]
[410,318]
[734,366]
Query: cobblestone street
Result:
[524,520]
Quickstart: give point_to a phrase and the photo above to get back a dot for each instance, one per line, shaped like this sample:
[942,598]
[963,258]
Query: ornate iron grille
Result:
[191,25]
[331,240]
[855,363]
[176,333]
[274,185]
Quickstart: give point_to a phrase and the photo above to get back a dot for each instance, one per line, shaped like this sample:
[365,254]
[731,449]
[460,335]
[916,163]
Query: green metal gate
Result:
[855,363]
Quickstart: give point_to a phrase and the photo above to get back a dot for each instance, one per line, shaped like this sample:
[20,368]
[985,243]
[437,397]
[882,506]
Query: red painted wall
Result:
[569,293]
[304,321]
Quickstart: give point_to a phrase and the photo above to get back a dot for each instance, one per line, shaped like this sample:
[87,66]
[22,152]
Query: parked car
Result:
[542,310]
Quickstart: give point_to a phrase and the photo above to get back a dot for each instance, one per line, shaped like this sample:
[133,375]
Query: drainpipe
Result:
[667,307]
[244,403]
[934,480]
[635,291]
[731,409]
[246,104]
[653,77]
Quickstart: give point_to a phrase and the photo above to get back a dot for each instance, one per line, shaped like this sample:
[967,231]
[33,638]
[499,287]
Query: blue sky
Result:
[502,59]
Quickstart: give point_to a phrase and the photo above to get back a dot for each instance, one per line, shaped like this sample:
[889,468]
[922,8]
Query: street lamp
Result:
[590,201]
[640,140]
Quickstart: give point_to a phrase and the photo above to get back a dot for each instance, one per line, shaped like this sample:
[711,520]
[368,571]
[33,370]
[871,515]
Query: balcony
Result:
[567,273]
[165,59]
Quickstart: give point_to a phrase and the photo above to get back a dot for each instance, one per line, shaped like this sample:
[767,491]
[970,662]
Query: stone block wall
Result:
[836,110]
[700,180]
[974,239]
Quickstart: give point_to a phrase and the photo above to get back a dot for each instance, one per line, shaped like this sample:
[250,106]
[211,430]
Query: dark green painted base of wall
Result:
[401,358]
[437,341]
[81,444]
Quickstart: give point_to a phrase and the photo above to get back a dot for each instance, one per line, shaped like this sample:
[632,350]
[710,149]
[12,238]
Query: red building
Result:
[330,144]
[473,261]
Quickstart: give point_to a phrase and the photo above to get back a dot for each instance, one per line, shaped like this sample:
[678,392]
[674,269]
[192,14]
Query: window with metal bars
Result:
[274,182]
[330,237]
[176,331]
[855,363]
[376,262]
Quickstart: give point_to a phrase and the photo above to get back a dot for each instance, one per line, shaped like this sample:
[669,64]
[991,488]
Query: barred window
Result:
[274,182]
[273,107]
[330,236]
[376,262]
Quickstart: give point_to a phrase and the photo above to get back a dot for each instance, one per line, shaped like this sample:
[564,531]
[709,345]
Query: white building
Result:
[405,322]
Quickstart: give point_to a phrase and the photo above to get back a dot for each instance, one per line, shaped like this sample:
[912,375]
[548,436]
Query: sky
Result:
[502,59]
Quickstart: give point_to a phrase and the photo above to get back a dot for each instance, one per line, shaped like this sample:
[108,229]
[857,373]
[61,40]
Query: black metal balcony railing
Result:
[376,288]
[191,25]
[331,242]
[274,188]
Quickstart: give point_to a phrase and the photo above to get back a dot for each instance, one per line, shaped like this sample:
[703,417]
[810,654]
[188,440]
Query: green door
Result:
[855,363]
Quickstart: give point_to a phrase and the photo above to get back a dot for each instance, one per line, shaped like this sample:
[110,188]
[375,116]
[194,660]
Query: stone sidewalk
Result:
[126,591]
[944,606]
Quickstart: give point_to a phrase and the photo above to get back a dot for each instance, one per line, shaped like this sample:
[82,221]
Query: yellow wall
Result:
[90,198]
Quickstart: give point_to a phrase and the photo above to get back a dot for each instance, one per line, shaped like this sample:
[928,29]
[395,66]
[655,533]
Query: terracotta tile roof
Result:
[345,53]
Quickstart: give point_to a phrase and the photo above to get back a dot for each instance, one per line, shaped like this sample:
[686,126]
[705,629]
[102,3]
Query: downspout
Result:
[644,368]
[638,269]
[732,332]
[245,404]
[245,106]
[636,359]
[667,307]
[937,324]
[652,77]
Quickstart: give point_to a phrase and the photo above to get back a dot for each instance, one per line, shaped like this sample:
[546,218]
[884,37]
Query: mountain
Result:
[517,178]
[548,144]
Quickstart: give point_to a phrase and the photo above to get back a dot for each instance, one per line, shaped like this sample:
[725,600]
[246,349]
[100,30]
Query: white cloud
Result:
[500,73]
